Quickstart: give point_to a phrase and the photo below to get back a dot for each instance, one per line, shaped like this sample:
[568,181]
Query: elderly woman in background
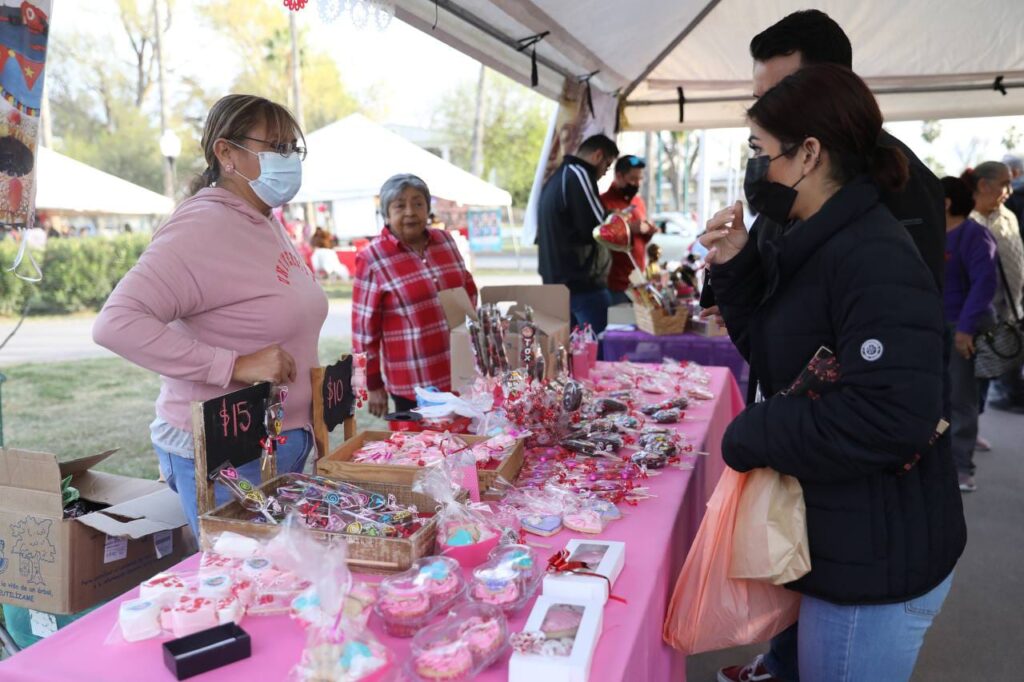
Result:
[990,183]
[396,312]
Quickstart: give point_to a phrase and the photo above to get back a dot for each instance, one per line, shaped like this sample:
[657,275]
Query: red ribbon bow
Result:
[559,563]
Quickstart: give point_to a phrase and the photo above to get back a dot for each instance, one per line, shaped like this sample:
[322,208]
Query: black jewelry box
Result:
[207,650]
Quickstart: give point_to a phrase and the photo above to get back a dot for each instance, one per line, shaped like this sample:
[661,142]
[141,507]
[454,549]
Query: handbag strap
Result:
[1006,290]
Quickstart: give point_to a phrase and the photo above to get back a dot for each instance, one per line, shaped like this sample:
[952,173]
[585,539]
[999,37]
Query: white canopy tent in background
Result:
[349,160]
[923,59]
[69,186]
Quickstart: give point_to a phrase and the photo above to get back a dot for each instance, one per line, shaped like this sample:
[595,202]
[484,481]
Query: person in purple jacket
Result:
[970,288]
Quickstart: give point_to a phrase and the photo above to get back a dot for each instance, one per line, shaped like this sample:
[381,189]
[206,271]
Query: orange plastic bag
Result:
[710,610]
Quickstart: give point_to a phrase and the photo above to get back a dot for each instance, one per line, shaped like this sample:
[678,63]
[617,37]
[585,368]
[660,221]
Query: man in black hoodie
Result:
[569,210]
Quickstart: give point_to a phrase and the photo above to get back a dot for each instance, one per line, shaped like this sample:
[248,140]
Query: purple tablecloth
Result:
[638,346]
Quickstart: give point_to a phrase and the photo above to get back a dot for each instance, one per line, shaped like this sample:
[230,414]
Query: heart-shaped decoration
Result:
[460,538]
[586,521]
[541,525]
[613,233]
[607,510]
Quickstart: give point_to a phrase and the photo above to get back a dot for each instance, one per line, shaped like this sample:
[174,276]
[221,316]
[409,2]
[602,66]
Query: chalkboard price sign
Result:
[336,393]
[234,425]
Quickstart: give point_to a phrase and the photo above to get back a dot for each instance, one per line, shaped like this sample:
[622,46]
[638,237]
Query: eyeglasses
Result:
[282,148]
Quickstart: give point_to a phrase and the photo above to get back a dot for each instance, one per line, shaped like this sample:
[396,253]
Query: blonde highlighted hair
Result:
[231,118]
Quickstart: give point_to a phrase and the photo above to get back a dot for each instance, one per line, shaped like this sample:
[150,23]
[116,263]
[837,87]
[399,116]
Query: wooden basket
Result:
[365,554]
[655,321]
[339,463]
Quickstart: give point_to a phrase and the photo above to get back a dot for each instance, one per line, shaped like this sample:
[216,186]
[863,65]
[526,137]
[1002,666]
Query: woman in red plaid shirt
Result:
[395,309]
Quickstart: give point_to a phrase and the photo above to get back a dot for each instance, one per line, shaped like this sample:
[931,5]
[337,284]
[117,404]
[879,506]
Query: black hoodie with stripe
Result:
[569,210]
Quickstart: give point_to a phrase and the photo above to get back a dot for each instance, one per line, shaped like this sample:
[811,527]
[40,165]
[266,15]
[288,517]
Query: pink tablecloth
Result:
[658,534]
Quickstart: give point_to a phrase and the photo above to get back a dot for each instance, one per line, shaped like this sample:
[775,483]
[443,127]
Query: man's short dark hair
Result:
[812,33]
[599,143]
[627,163]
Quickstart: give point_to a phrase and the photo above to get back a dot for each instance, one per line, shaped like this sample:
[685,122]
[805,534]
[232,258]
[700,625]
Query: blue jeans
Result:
[836,643]
[180,472]
[591,308]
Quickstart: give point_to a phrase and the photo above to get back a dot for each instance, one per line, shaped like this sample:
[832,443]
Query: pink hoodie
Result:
[219,280]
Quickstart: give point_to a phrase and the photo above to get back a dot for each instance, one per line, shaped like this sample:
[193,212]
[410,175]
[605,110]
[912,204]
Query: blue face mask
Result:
[280,177]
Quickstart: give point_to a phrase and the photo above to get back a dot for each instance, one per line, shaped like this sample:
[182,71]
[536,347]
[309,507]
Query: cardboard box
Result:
[604,557]
[58,565]
[550,304]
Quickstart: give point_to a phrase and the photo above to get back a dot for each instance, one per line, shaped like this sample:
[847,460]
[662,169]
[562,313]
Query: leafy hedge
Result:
[78,274]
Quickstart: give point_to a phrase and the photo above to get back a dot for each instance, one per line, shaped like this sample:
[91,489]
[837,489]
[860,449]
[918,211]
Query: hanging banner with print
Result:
[484,229]
[579,115]
[24,31]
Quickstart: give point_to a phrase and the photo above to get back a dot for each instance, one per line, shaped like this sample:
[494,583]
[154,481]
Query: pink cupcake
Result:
[440,577]
[484,637]
[449,662]
[402,606]
[496,586]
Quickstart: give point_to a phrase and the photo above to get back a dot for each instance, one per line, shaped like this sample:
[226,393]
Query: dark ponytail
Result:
[204,179]
[889,168]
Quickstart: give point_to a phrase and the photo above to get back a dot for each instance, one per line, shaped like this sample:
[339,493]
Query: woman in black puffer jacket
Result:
[884,517]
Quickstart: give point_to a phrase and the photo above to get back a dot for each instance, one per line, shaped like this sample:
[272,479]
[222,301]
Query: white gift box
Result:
[575,667]
[605,557]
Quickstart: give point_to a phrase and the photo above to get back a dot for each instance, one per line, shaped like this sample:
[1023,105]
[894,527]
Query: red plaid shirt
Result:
[395,309]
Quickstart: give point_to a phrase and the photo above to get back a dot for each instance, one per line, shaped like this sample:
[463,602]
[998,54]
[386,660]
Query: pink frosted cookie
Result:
[192,614]
[139,619]
[585,521]
[562,621]
[447,662]
[163,588]
[482,636]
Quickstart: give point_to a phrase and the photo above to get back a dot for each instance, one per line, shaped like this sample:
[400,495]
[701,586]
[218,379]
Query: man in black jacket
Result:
[812,37]
[570,208]
[802,38]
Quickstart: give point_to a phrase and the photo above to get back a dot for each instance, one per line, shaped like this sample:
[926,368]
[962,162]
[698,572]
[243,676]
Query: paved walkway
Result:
[980,633]
[55,339]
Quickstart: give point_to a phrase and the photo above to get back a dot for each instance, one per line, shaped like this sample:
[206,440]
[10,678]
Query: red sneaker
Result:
[752,672]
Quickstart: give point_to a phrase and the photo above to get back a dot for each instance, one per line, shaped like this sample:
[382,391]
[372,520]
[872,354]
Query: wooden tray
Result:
[339,463]
[365,554]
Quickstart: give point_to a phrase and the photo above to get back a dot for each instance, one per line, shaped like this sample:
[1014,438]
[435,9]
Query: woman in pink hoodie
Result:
[220,299]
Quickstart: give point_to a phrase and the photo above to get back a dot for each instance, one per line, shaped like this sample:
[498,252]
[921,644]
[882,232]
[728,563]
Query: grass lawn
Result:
[83,407]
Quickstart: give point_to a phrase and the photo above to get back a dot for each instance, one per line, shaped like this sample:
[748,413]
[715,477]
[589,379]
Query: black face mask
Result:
[630,191]
[770,199]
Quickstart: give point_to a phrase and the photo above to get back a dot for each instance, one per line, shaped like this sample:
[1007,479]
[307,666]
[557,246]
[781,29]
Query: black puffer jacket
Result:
[851,279]
[569,210]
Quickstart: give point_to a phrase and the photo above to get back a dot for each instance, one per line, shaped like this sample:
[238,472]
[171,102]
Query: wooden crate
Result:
[655,321]
[339,463]
[365,554]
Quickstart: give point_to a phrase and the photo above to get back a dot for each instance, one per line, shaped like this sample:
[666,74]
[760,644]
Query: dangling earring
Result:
[229,168]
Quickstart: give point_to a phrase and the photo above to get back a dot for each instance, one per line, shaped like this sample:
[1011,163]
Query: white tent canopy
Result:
[923,59]
[74,187]
[351,159]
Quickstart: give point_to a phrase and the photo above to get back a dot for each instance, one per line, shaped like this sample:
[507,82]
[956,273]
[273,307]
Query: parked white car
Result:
[676,234]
